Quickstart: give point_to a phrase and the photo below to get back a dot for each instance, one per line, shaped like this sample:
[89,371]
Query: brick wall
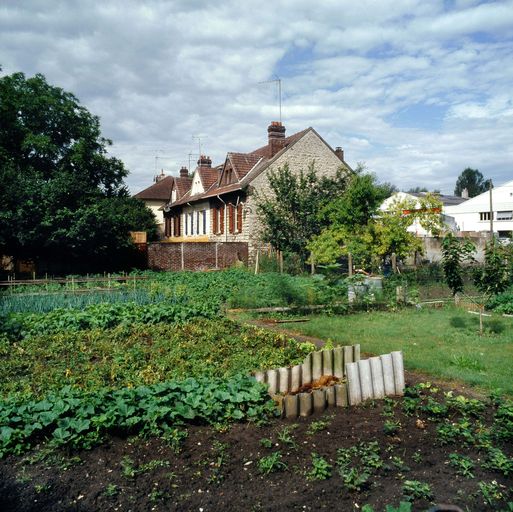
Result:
[196,255]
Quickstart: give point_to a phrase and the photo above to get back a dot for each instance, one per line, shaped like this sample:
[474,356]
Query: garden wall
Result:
[301,390]
[196,255]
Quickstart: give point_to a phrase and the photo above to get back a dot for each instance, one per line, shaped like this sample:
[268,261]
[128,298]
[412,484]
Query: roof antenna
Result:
[199,139]
[276,80]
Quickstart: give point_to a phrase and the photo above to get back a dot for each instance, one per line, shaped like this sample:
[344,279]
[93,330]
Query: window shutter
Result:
[231,214]
[215,213]
[239,217]
[221,219]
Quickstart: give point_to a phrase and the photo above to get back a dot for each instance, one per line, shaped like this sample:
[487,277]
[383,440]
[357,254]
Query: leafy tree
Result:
[473,181]
[356,227]
[290,215]
[455,251]
[494,276]
[63,198]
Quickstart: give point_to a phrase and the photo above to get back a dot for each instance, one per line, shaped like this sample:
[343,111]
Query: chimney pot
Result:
[339,152]
[184,172]
[204,161]
[276,137]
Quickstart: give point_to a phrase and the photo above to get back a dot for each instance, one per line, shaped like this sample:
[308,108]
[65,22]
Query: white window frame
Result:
[505,215]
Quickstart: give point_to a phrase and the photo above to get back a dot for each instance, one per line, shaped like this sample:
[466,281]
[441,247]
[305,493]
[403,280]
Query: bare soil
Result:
[218,470]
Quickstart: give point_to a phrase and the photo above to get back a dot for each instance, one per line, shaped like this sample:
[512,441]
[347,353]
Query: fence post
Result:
[394,262]
[350,264]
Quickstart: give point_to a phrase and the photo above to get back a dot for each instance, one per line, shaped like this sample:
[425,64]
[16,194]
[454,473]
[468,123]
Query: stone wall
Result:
[196,255]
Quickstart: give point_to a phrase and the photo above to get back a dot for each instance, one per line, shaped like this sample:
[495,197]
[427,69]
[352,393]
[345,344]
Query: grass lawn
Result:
[442,342]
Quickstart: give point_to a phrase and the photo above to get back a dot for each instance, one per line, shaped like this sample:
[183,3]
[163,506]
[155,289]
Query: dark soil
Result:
[218,470]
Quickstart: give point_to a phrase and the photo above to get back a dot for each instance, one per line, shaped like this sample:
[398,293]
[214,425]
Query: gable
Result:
[197,185]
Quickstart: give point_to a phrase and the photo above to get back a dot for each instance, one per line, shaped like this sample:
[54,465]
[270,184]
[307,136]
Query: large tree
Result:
[357,226]
[473,181]
[290,214]
[62,196]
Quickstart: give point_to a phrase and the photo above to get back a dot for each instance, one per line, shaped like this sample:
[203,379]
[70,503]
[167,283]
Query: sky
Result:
[416,90]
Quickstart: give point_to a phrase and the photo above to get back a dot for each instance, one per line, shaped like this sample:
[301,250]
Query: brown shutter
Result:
[231,214]
[239,217]
[221,219]
[215,213]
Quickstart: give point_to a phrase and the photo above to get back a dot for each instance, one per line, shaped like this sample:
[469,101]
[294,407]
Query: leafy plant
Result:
[391,427]
[492,492]
[355,479]
[454,252]
[266,442]
[271,463]
[318,426]
[111,490]
[463,464]
[414,489]
[321,470]
[285,436]
[497,460]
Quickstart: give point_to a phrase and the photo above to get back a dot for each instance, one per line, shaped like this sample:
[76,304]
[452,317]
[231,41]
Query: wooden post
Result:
[280,256]
[72,284]
[350,264]
[312,264]
[257,261]
[394,262]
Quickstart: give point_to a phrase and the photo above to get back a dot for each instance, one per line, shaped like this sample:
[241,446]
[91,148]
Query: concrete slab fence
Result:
[360,380]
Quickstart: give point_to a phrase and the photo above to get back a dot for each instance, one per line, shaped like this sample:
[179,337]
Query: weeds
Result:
[463,464]
[271,463]
[319,425]
[413,489]
[321,470]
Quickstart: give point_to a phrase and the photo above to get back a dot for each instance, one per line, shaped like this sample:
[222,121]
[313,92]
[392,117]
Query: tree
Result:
[290,214]
[473,181]
[455,251]
[357,226]
[63,198]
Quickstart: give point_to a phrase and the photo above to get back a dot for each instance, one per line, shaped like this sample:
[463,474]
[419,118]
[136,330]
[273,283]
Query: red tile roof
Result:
[160,191]
[246,166]
[183,185]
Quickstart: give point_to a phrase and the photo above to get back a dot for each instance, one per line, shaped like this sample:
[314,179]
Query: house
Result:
[220,203]
[415,227]
[156,196]
[477,215]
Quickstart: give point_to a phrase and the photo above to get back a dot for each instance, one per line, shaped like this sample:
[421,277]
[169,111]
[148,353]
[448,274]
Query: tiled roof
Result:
[208,176]
[446,200]
[246,166]
[242,163]
[158,191]
[183,185]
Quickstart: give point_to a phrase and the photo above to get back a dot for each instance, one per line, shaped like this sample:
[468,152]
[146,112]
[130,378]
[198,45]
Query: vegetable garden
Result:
[141,399]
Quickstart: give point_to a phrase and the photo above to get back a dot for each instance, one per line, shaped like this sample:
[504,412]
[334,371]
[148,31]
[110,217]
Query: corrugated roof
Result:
[160,191]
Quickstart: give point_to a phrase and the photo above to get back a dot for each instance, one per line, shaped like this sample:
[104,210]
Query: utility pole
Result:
[490,187]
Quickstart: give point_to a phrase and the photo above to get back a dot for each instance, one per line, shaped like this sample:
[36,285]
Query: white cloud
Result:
[158,72]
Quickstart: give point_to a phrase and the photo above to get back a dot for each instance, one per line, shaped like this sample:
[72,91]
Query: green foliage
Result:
[391,427]
[503,421]
[63,199]
[77,419]
[501,303]
[290,214]
[492,492]
[413,489]
[455,252]
[357,464]
[321,470]
[473,181]
[404,506]
[497,460]
[464,465]
[271,463]
[494,276]
[285,436]
[141,354]
[318,425]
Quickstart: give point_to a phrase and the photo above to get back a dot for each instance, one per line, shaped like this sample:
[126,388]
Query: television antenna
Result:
[199,138]
[276,80]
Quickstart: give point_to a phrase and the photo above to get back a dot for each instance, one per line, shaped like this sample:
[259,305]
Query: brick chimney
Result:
[204,162]
[339,152]
[159,177]
[276,136]
[184,172]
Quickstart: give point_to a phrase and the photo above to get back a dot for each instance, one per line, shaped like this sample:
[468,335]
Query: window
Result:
[505,215]
[204,215]
[191,221]
[176,225]
[218,220]
[484,216]
[186,223]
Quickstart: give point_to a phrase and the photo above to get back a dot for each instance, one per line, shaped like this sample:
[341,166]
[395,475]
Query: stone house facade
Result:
[220,204]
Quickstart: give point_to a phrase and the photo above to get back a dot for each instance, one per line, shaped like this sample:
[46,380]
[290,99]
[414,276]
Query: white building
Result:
[475,214]
[415,227]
